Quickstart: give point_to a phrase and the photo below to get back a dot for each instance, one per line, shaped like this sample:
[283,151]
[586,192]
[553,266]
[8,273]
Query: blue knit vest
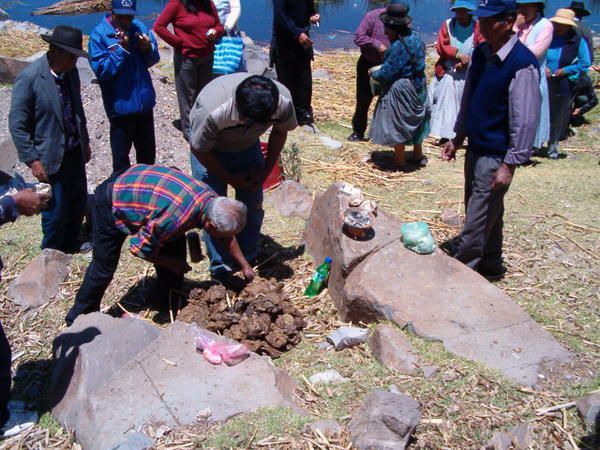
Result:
[487,113]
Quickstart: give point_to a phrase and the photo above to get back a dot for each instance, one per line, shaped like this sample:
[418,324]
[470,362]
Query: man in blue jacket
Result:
[48,126]
[499,114]
[121,50]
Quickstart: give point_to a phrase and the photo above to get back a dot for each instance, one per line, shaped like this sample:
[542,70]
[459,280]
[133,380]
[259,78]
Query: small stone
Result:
[324,346]
[500,441]
[205,413]
[135,441]
[384,421]
[330,143]
[327,377]
[391,348]
[98,134]
[589,410]
[327,427]
[430,371]
[451,218]
[522,436]
[346,337]
[394,389]
[40,280]
[163,430]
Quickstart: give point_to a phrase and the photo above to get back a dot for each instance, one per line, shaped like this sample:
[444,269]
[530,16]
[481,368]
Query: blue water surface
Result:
[339,17]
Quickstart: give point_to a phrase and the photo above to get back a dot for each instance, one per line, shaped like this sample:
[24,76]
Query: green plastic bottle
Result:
[319,279]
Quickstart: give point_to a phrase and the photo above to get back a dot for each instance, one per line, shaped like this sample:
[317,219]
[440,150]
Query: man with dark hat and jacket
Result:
[48,126]
[122,49]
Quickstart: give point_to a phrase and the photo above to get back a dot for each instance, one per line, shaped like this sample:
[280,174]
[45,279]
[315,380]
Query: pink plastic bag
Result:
[216,352]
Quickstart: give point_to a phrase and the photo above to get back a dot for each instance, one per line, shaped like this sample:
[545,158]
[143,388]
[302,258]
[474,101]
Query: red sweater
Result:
[446,51]
[190,29]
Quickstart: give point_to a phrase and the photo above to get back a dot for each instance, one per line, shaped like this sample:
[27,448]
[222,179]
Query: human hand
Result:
[464,59]
[559,73]
[211,34]
[248,273]
[29,202]
[503,177]
[459,66]
[304,40]
[520,20]
[144,42]
[449,151]
[548,73]
[38,171]
[123,38]
[576,112]
[382,49]
[315,19]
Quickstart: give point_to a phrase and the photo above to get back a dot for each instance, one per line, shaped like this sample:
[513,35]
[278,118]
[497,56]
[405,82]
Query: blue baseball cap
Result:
[124,7]
[465,4]
[489,8]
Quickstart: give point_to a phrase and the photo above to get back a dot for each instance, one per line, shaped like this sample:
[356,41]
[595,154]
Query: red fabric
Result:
[275,177]
[446,51]
[190,29]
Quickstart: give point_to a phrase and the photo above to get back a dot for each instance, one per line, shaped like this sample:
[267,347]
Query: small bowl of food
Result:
[358,223]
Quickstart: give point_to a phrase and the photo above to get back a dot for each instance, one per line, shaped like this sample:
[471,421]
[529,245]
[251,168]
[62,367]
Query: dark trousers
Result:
[364,96]
[5,375]
[136,130]
[294,72]
[560,94]
[480,241]
[108,240]
[61,221]
[191,75]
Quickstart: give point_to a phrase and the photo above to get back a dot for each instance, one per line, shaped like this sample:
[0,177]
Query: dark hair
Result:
[257,98]
[193,6]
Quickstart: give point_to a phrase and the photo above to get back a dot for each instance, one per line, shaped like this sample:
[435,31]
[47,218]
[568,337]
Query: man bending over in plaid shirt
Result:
[156,206]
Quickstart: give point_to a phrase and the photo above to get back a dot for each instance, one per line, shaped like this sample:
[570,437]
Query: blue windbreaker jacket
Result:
[123,74]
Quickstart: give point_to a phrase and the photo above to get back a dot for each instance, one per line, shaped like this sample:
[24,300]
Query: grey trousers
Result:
[191,75]
[480,241]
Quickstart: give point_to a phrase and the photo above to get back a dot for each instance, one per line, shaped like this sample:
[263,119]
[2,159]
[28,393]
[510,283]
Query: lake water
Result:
[339,17]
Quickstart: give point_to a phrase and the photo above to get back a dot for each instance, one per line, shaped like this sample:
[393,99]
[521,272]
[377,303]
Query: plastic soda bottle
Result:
[318,279]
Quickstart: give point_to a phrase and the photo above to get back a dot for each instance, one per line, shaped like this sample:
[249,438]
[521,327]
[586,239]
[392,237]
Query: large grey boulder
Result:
[391,348]
[291,199]
[434,295]
[133,374]
[40,280]
[10,68]
[589,410]
[8,156]
[384,421]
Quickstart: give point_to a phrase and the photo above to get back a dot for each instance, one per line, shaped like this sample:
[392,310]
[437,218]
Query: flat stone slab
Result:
[441,299]
[433,295]
[392,349]
[163,381]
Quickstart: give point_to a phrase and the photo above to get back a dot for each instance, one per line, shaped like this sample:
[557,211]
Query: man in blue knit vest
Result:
[499,115]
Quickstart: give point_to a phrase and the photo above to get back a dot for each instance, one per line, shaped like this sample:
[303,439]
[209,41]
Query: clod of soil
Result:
[260,316]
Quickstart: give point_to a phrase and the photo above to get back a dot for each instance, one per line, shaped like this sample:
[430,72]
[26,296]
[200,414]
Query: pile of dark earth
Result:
[260,316]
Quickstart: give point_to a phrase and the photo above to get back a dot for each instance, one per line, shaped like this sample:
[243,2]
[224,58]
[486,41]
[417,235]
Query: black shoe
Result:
[492,273]
[355,137]
[450,247]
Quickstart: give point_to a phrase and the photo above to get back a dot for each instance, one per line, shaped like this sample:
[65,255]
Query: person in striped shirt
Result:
[155,205]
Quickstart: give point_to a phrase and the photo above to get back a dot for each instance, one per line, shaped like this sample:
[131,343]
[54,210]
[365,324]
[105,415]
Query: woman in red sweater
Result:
[196,27]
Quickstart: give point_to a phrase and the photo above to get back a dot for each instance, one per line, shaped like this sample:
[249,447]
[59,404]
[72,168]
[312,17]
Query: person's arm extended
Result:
[392,66]
[283,19]
[276,142]
[212,164]
[152,56]
[105,60]
[236,253]
[161,25]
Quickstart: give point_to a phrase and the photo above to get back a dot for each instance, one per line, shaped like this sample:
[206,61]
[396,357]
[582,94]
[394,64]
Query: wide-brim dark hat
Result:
[396,15]
[67,38]
[579,9]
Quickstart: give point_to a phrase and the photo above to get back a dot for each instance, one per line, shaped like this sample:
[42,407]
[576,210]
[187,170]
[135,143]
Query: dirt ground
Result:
[551,249]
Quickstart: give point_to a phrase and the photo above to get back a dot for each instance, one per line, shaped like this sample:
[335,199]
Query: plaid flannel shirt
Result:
[156,204]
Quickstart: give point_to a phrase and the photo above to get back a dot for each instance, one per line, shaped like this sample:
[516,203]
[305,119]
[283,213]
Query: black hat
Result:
[67,38]
[579,9]
[396,15]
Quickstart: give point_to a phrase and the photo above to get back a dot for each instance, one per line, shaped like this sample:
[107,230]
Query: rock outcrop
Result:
[434,295]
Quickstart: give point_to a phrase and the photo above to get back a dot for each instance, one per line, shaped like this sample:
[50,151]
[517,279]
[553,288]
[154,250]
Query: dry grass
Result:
[551,246]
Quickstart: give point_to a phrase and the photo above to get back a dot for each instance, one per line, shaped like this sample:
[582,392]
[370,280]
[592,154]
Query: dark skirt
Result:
[401,115]
[560,98]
